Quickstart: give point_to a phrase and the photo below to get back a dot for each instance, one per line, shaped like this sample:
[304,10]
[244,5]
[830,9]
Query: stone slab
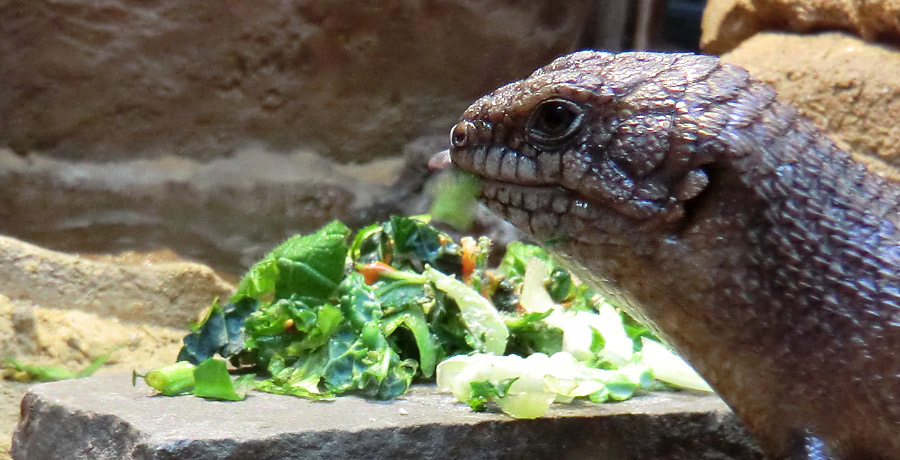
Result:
[104,417]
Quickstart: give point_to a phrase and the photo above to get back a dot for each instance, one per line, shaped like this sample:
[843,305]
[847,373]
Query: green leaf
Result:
[485,391]
[319,259]
[211,381]
[313,265]
[221,332]
[560,285]
[375,372]
[417,244]
[259,281]
[426,342]
[488,331]
[359,303]
[529,334]
[54,373]
[517,255]
[303,378]
[368,244]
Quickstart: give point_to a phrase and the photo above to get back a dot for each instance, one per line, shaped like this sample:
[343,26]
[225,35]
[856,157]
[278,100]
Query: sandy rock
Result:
[844,85]
[167,294]
[355,79]
[726,23]
[72,339]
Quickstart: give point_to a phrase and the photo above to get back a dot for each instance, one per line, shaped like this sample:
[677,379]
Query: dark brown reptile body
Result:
[763,253]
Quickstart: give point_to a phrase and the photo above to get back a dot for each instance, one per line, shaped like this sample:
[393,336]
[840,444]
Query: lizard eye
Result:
[554,120]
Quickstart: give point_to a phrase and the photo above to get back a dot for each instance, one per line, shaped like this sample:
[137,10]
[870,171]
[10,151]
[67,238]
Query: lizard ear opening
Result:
[554,121]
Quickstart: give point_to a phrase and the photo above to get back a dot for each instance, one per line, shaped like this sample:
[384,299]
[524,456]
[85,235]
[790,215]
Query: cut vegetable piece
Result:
[170,380]
[454,199]
[670,368]
[528,405]
[482,319]
[535,298]
[579,336]
[220,332]
[211,381]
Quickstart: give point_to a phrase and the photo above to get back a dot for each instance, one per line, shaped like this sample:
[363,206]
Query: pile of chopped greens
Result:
[327,314]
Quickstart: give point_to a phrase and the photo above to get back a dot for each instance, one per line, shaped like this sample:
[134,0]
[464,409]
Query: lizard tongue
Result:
[440,161]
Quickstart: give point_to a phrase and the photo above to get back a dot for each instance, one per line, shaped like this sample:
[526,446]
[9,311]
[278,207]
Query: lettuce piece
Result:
[366,364]
[487,328]
[211,381]
[516,258]
[455,198]
[302,378]
[485,391]
[529,333]
[537,381]
[414,320]
[220,332]
[313,264]
[580,336]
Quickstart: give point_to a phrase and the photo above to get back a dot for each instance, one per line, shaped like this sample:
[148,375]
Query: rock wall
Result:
[218,129]
[354,80]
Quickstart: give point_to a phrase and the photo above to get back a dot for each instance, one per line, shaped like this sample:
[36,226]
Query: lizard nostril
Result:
[460,134]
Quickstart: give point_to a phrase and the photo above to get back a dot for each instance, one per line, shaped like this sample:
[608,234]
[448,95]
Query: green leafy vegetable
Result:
[211,381]
[312,263]
[485,391]
[53,373]
[222,332]
[486,326]
[332,313]
[455,198]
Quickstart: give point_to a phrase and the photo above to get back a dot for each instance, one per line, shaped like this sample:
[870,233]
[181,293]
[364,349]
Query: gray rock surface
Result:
[104,417]
[354,79]
[226,212]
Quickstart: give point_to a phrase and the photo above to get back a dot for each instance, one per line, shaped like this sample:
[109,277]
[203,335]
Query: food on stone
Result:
[331,313]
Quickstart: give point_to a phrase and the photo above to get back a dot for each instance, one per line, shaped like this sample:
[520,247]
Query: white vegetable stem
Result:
[670,368]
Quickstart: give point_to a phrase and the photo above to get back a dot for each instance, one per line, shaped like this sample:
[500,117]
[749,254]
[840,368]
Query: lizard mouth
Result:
[535,205]
[547,212]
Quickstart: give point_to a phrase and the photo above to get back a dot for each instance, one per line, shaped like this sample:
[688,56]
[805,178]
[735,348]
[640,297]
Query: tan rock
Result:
[354,79]
[844,85]
[726,23]
[166,294]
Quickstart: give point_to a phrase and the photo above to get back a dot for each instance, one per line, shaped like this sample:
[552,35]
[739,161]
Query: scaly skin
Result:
[763,253]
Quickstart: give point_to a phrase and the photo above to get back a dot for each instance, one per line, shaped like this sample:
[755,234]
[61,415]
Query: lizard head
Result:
[584,149]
